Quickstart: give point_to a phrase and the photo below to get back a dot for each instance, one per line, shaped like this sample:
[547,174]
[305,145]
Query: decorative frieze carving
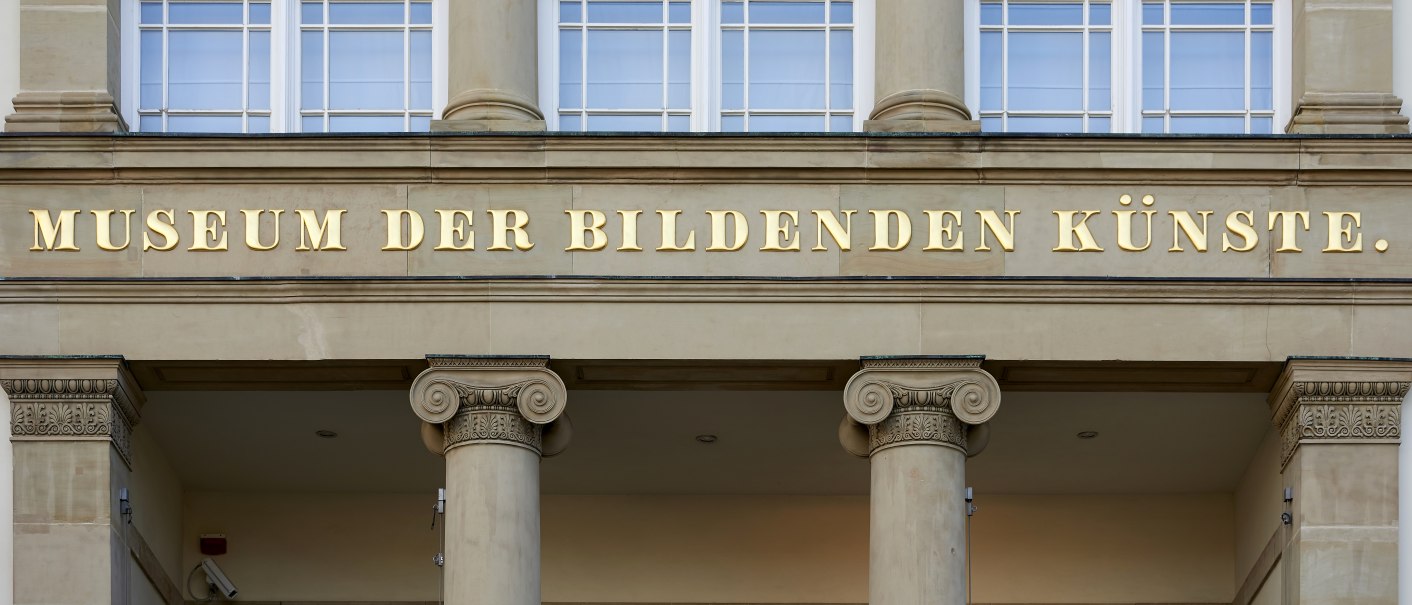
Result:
[490,400]
[916,400]
[72,409]
[1332,400]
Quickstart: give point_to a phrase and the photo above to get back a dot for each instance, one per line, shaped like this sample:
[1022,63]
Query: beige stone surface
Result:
[64,482]
[64,564]
[156,495]
[17,231]
[492,525]
[1258,504]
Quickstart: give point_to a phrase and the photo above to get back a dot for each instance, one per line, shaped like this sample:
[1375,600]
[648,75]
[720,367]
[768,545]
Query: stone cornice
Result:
[490,399]
[1323,400]
[72,398]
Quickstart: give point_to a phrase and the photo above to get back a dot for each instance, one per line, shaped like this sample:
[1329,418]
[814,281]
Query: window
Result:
[1151,66]
[708,65]
[259,66]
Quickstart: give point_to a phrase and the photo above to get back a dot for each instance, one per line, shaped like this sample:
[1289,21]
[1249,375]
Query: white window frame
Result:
[284,63]
[1126,73]
[705,63]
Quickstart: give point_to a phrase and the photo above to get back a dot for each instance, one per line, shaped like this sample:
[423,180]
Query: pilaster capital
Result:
[492,399]
[906,400]
[1323,400]
[81,398]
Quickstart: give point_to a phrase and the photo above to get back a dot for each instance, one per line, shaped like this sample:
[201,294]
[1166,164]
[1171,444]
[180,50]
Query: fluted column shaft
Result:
[492,418]
[913,419]
[920,74]
[492,70]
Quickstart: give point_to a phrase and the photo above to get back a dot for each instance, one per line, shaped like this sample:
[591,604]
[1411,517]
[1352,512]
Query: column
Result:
[71,424]
[920,68]
[492,418]
[913,419]
[493,67]
[1343,68]
[69,67]
[1340,425]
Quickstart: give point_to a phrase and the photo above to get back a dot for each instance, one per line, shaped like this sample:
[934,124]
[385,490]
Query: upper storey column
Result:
[920,68]
[917,419]
[1343,68]
[1340,426]
[69,67]
[492,418]
[492,67]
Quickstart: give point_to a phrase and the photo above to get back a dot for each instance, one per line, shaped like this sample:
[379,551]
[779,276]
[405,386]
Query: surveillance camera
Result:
[217,579]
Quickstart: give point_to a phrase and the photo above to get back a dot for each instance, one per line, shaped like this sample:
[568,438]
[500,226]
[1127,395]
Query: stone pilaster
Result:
[1343,68]
[493,70]
[71,427]
[1340,426]
[492,418]
[70,67]
[912,417]
[920,74]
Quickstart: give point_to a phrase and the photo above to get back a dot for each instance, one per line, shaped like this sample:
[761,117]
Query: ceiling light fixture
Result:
[326,434]
[706,438]
[1087,434]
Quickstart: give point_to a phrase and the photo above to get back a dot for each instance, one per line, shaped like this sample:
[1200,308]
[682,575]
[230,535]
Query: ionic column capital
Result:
[507,400]
[72,399]
[1339,400]
[912,400]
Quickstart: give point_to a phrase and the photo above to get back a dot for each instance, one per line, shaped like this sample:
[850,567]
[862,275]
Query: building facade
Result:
[882,301]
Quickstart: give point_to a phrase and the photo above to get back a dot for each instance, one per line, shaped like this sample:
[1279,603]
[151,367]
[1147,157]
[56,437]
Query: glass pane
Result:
[260,13]
[571,12]
[841,69]
[841,124]
[1152,14]
[786,70]
[625,123]
[841,13]
[312,124]
[1208,125]
[311,13]
[258,124]
[1153,71]
[624,12]
[759,123]
[678,123]
[1152,125]
[679,69]
[991,71]
[733,69]
[570,68]
[206,13]
[1045,124]
[151,13]
[571,122]
[1022,13]
[1262,71]
[365,70]
[786,12]
[1208,70]
[311,67]
[1208,13]
[421,13]
[179,123]
[1045,71]
[150,71]
[992,125]
[1100,125]
[732,123]
[1100,14]
[679,12]
[624,70]
[365,124]
[1261,14]
[1100,67]
[420,124]
[365,13]
[204,70]
[259,70]
[991,14]
[150,124]
[1262,125]
[420,94]
[732,12]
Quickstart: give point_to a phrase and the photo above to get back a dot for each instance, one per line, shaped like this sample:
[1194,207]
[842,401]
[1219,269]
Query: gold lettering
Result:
[1289,238]
[718,231]
[416,229]
[165,228]
[1068,230]
[882,225]
[1341,232]
[781,235]
[1243,229]
[842,233]
[204,231]
[1125,222]
[940,230]
[252,229]
[669,233]
[311,228]
[630,231]
[453,231]
[104,234]
[1004,233]
[580,226]
[1183,223]
[46,230]
[501,225]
